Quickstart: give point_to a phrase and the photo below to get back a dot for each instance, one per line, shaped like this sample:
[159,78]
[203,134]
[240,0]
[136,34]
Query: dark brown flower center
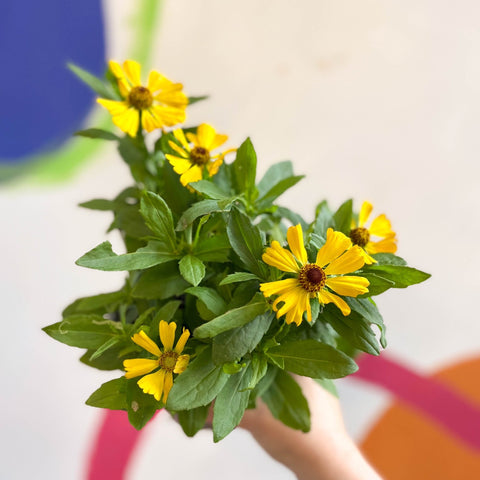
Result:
[312,278]
[168,360]
[199,156]
[360,236]
[140,98]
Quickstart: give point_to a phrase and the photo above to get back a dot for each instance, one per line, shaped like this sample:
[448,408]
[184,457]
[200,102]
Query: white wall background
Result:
[375,100]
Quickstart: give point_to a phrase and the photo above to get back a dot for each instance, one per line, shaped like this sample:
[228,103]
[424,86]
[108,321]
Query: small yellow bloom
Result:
[193,160]
[160,104]
[169,361]
[314,280]
[380,228]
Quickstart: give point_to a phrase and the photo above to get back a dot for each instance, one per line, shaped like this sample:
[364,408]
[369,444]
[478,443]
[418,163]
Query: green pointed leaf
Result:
[312,359]
[246,242]
[102,303]
[210,298]
[158,219]
[106,346]
[328,385]
[402,276]
[213,249]
[238,277]
[231,403]
[160,282]
[97,133]
[234,344]
[141,407]
[343,217]
[286,402]
[95,83]
[233,318]
[166,312]
[103,258]
[208,188]
[192,269]
[275,174]
[377,285]
[111,395]
[278,190]
[198,385]
[99,204]
[84,330]
[198,209]
[245,168]
[193,420]
[192,100]
[323,220]
[389,259]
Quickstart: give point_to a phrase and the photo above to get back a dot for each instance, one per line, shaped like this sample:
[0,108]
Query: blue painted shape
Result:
[41,101]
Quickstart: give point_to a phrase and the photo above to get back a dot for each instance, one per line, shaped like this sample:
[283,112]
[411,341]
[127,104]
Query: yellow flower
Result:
[318,279]
[170,361]
[161,103]
[380,228]
[194,160]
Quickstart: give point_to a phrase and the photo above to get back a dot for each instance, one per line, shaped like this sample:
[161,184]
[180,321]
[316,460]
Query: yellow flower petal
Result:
[192,138]
[128,121]
[381,226]
[296,310]
[350,261]
[335,245]
[326,297]
[180,165]
[169,116]
[167,385]
[144,341]
[116,69]
[149,121]
[280,258]
[348,286]
[387,245]
[278,287]
[192,175]
[205,136]
[114,107]
[218,141]
[212,167]
[135,367]
[153,384]
[295,242]
[178,149]
[182,341]
[173,98]
[157,81]
[182,363]
[132,70]
[293,299]
[180,136]
[167,334]
[365,212]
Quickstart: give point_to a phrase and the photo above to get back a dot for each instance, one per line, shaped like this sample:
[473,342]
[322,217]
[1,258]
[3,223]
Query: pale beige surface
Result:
[374,100]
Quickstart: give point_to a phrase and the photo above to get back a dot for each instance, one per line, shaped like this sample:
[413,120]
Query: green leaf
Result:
[259,366]
[210,298]
[166,312]
[246,242]
[313,359]
[198,209]
[368,310]
[377,285]
[84,331]
[323,220]
[388,259]
[198,385]
[275,174]
[292,217]
[111,359]
[103,258]
[275,192]
[286,402]
[97,133]
[99,204]
[231,403]
[129,221]
[245,168]
[95,83]
[402,276]
[192,100]
[141,407]
[328,385]
[106,346]
[158,219]
[238,277]
[209,189]
[111,395]
[102,303]
[233,318]
[343,217]
[193,420]
[192,269]
[234,344]
[353,328]
[213,249]
[160,282]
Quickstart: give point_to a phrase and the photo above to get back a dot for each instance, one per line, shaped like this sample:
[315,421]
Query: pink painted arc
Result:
[435,400]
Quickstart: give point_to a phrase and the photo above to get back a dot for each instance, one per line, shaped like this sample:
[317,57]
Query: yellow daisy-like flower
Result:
[161,103]
[318,279]
[169,361]
[196,156]
[380,228]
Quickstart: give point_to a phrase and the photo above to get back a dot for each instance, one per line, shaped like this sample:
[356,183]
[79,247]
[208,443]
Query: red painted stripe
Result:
[113,447]
[429,396]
